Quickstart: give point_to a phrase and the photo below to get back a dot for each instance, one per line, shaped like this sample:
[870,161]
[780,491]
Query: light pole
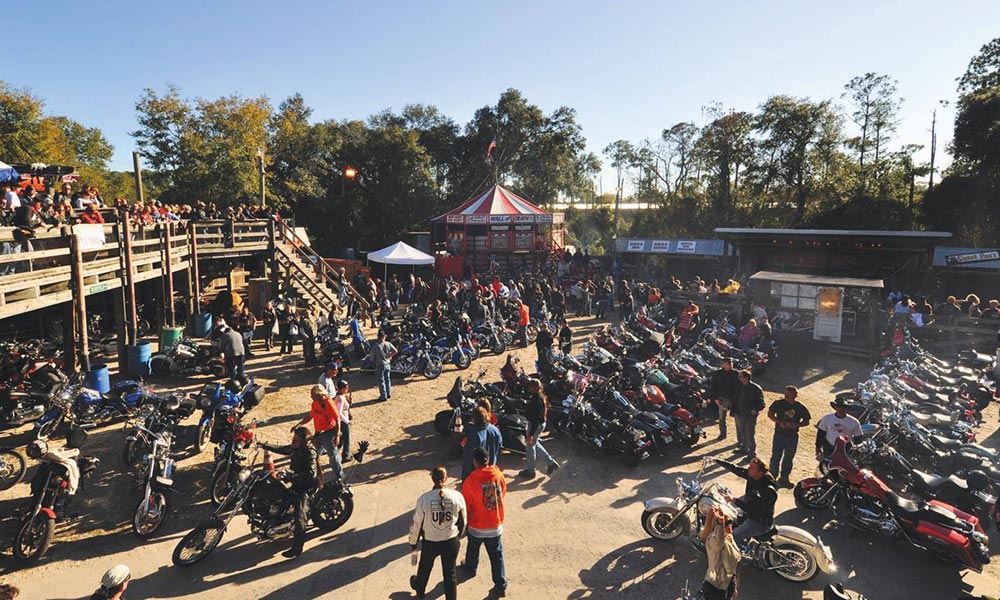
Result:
[349,173]
[260,173]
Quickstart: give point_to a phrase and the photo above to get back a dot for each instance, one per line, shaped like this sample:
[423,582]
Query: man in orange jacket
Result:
[484,491]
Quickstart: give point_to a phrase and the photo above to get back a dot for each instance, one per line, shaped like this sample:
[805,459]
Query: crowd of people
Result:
[920,310]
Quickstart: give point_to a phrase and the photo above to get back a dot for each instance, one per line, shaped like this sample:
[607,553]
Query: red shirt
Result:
[324,415]
[91,218]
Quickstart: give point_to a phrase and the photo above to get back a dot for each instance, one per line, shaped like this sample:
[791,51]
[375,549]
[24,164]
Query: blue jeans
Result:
[324,443]
[384,380]
[494,549]
[536,446]
[783,449]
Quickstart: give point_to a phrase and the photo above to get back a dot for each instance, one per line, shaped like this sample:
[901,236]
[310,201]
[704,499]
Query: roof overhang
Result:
[823,280]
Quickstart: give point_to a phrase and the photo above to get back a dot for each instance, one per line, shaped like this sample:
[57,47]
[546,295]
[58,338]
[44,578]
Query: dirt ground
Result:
[576,535]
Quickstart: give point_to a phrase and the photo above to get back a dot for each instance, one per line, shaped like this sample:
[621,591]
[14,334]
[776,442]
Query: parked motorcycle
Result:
[866,503]
[219,404]
[86,408]
[231,456]
[462,399]
[414,357]
[187,357]
[155,476]
[153,418]
[268,505]
[790,552]
[12,468]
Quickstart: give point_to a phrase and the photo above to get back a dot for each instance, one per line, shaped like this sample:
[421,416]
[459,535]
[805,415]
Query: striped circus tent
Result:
[495,205]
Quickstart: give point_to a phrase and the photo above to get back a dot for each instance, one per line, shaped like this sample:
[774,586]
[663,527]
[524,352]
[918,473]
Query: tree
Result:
[622,155]
[983,71]
[724,147]
[875,105]
[679,140]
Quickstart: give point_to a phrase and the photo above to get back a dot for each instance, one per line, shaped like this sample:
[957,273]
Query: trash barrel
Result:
[170,336]
[97,378]
[201,324]
[138,359]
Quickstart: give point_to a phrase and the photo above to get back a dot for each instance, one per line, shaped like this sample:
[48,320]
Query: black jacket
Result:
[725,384]
[537,410]
[759,496]
[749,398]
[303,465]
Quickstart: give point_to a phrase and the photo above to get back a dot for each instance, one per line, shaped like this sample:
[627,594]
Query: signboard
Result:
[660,246]
[685,246]
[524,218]
[971,257]
[101,287]
[829,314]
[499,218]
[476,219]
[635,246]
[522,227]
[455,219]
[91,237]
[543,218]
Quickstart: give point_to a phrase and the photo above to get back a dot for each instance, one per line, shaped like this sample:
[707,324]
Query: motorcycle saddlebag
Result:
[253,396]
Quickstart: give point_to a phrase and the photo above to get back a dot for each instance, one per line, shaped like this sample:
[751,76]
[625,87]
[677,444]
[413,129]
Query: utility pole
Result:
[260,173]
[137,167]
[930,183]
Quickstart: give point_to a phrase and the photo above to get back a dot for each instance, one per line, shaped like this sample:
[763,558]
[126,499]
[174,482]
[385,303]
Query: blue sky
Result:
[630,68]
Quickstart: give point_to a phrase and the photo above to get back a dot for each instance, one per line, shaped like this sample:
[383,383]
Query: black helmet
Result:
[977,480]
[342,384]
[37,449]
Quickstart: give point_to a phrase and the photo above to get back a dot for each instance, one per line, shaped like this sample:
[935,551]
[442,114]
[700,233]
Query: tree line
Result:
[791,162]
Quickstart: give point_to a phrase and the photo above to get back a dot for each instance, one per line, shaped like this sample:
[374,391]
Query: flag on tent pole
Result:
[489,151]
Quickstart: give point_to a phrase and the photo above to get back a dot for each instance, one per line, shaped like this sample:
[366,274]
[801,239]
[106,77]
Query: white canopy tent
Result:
[400,253]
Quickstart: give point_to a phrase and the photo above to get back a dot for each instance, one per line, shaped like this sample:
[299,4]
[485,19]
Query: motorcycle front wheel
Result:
[150,514]
[12,468]
[810,498]
[463,361]
[531,332]
[331,509]
[222,484]
[655,523]
[498,347]
[433,368]
[204,435]
[474,351]
[218,369]
[48,429]
[442,422]
[133,451]
[34,538]
[199,542]
[792,562]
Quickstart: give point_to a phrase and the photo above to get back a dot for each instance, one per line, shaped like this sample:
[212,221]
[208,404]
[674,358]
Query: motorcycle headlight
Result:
[980,538]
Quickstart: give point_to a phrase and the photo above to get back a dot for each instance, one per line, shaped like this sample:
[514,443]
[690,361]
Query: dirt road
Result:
[575,535]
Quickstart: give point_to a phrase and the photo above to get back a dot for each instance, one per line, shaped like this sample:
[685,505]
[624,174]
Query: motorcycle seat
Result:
[668,407]
[767,535]
[931,481]
[923,511]
[946,443]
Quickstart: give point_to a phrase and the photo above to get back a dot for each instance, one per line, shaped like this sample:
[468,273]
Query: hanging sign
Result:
[543,218]
[91,237]
[499,218]
[635,246]
[455,219]
[829,314]
[685,246]
[971,257]
[475,219]
[524,218]
[559,218]
[660,246]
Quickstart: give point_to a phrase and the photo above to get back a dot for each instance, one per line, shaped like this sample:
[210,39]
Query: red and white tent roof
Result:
[495,205]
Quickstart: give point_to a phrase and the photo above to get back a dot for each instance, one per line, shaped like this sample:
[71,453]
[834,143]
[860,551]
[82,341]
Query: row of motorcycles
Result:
[917,475]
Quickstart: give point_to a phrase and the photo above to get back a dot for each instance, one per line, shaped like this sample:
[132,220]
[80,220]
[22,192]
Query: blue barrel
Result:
[138,359]
[97,378]
[201,325]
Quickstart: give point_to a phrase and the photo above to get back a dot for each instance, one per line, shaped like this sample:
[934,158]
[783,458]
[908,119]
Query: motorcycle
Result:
[578,420]
[866,503]
[231,458]
[414,357]
[792,553]
[187,357]
[332,348]
[12,468]
[449,349]
[513,427]
[151,419]
[219,404]
[26,393]
[268,506]
[85,408]
[155,476]
[39,523]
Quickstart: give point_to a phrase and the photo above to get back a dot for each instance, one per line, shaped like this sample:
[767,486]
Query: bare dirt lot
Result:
[575,535]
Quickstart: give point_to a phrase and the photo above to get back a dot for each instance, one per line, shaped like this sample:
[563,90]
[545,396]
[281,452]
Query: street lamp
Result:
[349,173]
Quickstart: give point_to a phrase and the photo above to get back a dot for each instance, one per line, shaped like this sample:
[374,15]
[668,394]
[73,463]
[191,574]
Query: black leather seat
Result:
[922,511]
[932,482]
[945,443]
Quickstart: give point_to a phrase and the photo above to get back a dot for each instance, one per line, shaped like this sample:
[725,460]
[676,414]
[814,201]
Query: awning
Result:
[401,253]
[817,279]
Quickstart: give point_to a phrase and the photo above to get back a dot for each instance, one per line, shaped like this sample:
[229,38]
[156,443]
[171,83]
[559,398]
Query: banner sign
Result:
[685,246]
[829,314]
[660,246]
[971,257]
[543,218]
[499,218]
[635,246]
[476,219]
[455,219]
[524,218]
[91,237]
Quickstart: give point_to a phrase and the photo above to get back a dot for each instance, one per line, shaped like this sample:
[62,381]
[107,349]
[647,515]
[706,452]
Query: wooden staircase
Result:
[305,271]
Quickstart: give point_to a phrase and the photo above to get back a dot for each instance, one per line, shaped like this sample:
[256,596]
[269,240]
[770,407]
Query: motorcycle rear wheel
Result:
[198,543]
[148,517]
[222,484]
[655,521]
[442,422]
[433,368]
[34,538]
[810,498]
[464,361]
[330,509]
[531,332]
[12,468]
[792,562]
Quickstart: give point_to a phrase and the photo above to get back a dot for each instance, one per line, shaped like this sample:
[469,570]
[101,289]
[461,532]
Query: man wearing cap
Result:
[329,378]
[834,425]
[326,423]
[342,400]
[113,583]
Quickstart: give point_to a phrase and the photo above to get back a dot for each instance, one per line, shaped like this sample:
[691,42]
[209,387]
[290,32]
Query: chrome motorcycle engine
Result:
[866,513]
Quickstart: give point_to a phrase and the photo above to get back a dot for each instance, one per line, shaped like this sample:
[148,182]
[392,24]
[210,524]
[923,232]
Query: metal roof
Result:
[833,232]
[817,279]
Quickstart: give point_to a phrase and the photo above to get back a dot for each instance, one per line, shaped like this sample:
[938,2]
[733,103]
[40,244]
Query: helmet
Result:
[977,480]
[37,449]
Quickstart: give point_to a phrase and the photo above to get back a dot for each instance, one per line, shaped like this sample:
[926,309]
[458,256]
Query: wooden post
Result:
[130,303]
[168,268]
[121,326]
[195,275]
[191,303]
[80,300]
[271,250]
[138,177]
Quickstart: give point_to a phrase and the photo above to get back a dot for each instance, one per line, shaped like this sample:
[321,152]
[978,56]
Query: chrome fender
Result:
[819,551]
[656,504]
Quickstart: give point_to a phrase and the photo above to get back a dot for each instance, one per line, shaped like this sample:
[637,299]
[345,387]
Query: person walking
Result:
[749,403]
[326,423]
[114,582]
[481,433]
[307,329]
[789,415]
[343,400]
[440,517]
[565,337]
[233,349]
[382,354]
[543,345]
[285,315]
[329,378]
[536,414]
[725,386]
[523,320]
[484,491]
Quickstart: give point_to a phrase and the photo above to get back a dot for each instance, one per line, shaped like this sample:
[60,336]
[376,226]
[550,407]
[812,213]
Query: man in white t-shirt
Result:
[834,425]
[10,199]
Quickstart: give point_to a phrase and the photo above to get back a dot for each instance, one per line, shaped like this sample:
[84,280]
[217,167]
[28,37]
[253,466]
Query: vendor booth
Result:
[498,231]
[400,253]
